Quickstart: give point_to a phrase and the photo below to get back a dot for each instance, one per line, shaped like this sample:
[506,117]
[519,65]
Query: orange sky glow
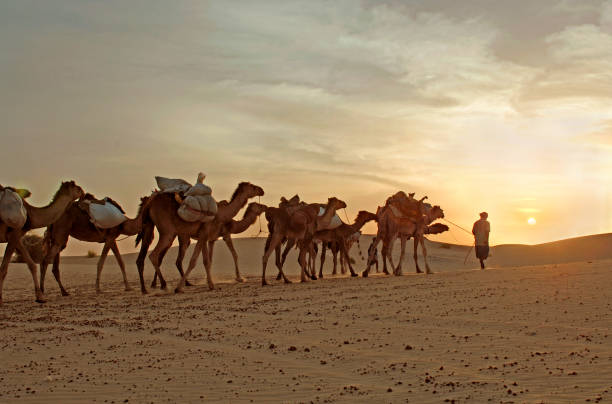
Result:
[498,108]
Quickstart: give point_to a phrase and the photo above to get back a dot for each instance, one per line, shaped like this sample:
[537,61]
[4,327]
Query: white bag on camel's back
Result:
[335,221]
[172,184]
[12,211]
[105,216]
[201,208]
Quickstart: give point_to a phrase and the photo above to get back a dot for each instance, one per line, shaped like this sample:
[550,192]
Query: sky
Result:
[478,104]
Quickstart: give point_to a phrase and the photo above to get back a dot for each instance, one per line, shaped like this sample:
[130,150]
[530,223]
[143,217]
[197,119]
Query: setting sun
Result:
[531,221]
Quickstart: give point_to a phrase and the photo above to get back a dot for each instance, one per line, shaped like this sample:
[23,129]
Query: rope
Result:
[456,225]
[121,239]
[259,217]
[346,216]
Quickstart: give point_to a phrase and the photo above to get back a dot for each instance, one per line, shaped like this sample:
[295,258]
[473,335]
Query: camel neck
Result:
[247,220]
[226,213]
[44,216]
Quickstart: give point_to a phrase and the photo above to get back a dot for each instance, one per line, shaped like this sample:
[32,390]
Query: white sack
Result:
[199,189]
[105,216]
[12,211]
[200,208]
[170,185]
[335,221]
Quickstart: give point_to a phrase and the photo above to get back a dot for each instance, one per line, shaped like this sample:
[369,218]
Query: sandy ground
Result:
[509,334]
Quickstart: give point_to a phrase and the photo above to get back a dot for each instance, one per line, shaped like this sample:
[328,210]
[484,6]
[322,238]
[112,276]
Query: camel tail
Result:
[147,224]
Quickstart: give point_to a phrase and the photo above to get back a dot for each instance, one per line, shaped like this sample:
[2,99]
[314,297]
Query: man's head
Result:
[484,215]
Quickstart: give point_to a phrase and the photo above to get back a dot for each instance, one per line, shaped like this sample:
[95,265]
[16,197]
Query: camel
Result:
[339,237]
[210,232]
[391,224]
[37,217]
[298,225]
[161,213]
[253,211]
[76,222]
[431,214]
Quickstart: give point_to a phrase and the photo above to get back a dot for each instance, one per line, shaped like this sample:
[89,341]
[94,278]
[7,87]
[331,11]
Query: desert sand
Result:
[535,327]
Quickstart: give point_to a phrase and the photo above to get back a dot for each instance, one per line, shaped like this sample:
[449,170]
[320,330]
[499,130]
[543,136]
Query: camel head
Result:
[335,203]
[436,228]
[248,189]
[256,208]
[71,189]
[365,216]
[435,212]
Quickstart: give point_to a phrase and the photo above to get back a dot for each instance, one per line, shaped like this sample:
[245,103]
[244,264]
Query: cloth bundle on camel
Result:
[405,206]
[104,214]
[335,221]
[12,211]
[197,203]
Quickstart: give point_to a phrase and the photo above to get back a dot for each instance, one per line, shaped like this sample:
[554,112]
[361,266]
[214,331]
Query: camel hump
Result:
[114,203]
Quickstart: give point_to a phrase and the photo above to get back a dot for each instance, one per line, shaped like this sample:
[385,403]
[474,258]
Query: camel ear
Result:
[178,198]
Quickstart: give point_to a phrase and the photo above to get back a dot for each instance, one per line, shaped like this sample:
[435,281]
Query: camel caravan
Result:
[178,209]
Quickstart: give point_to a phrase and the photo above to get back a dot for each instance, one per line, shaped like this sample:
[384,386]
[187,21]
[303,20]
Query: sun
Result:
[531,221]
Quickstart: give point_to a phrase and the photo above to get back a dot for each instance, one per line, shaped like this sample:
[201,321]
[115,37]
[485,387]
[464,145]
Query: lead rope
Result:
[260,230]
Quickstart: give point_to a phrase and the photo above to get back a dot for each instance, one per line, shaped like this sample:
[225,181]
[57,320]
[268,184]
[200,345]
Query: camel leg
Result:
[275,240]
[398,269]
[8,254]
[140,261]
[344,253]
[370,256]
[230,245]
[192,263]
[156,256]
[334,260]
[52,254]
[184,242]
[56,273]
[207,261]
[288,247]
[40,298]
[103,255]
[302,262]
[323,252]
[117,254]
[424,249]
[312,255]
[385,252]
[416,255]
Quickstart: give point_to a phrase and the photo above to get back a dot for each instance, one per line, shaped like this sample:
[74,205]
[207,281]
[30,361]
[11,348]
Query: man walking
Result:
[481,230]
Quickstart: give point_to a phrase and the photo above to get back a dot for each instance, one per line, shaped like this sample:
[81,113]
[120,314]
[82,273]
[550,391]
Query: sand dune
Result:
[532,334]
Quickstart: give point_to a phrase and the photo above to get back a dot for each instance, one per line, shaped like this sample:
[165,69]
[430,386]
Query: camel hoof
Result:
[211,287]
[64,293]
[314,278]
[418,271]
[278,277]
[240,279]
[354,275]
[364,274]
[129,289]
[264,282]
[41,300]
[287,281]
[187,283]
[144,291]
[177,290]
[321,276]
